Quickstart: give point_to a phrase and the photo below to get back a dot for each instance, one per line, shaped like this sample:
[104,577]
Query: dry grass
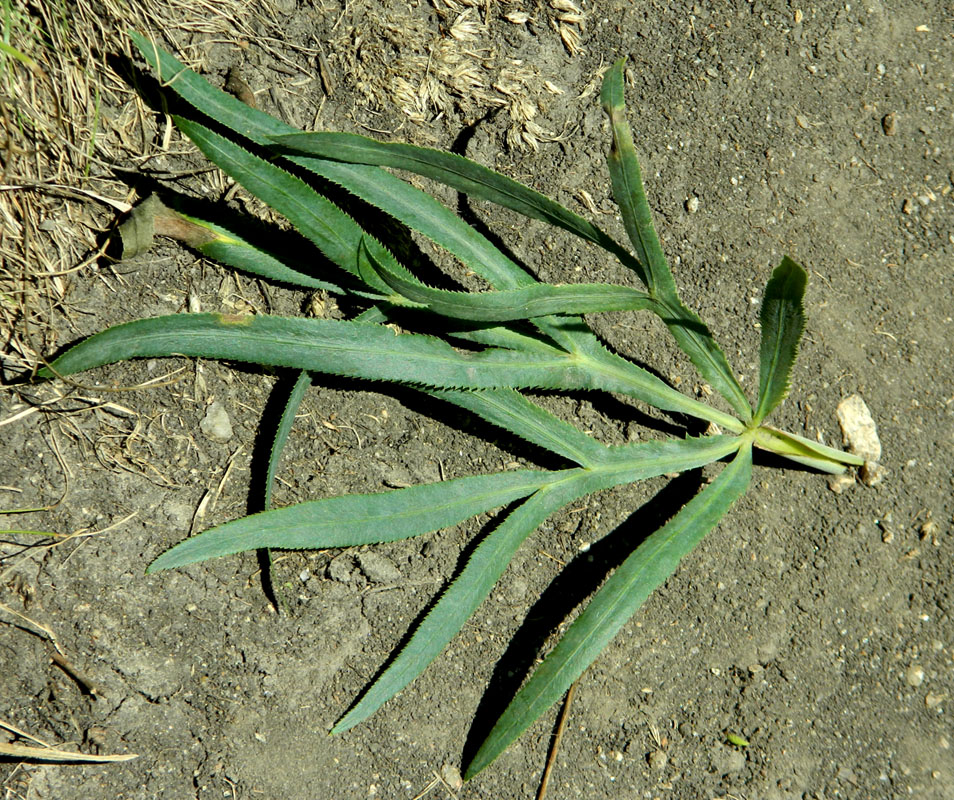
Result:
[72,129]
[397,59]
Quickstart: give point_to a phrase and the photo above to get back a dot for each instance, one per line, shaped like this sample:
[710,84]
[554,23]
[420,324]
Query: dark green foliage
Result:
[532,337]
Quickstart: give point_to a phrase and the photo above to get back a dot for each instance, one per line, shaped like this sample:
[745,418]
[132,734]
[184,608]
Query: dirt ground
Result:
[817,625]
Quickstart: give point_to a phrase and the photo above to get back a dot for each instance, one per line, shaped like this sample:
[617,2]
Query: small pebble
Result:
[838,483]
[658,759]
[872,473]
[889,124]
[216,424]
[451,776]
[692,204]
[858,427]
[914,675]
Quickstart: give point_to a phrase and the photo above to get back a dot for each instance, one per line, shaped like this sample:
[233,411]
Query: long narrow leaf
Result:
[805,451]
[285,423]
[333,232]
[783,320]
[227,247]
[492,556]
[616,374]
[520,416]
[642,460]
[694,339]
[628,189]
[650,564]
[353,349]
[459,173]
[687,328]
[537,300]
[486,565]
[359,518]
[507,337]
[421,212]
[365,350]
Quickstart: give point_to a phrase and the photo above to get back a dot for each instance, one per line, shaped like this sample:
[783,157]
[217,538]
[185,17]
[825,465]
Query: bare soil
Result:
[815,624]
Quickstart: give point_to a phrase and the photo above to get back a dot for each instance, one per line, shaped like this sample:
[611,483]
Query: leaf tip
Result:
[611,94]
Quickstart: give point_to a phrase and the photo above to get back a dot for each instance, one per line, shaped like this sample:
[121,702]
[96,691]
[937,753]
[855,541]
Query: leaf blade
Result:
[352,349]
[355,519]
[526,302]
[522,417]
[370,351]
[646,568]
[282,432]
[492,556]
[783,321]
[628,190]
[227,247]
[456,171]
[332,231]
[805,451]
[690,332]
[410,205]
[457,603]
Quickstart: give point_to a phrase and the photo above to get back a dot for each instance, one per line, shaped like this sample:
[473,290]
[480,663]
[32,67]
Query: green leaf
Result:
[613,373]
[689,331]
[251,123]
[227,247]
[492,556]
[628,189]
[357,519]
[669,455]
[507,337]
[694,339]
[537,300]
[485,566]
[783,320]
[650,564]
[370,351]
[285,423]
[353,349]
[520,416]
[409,205]
[459,173]
[420,212]
[804,451]
[317,218]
